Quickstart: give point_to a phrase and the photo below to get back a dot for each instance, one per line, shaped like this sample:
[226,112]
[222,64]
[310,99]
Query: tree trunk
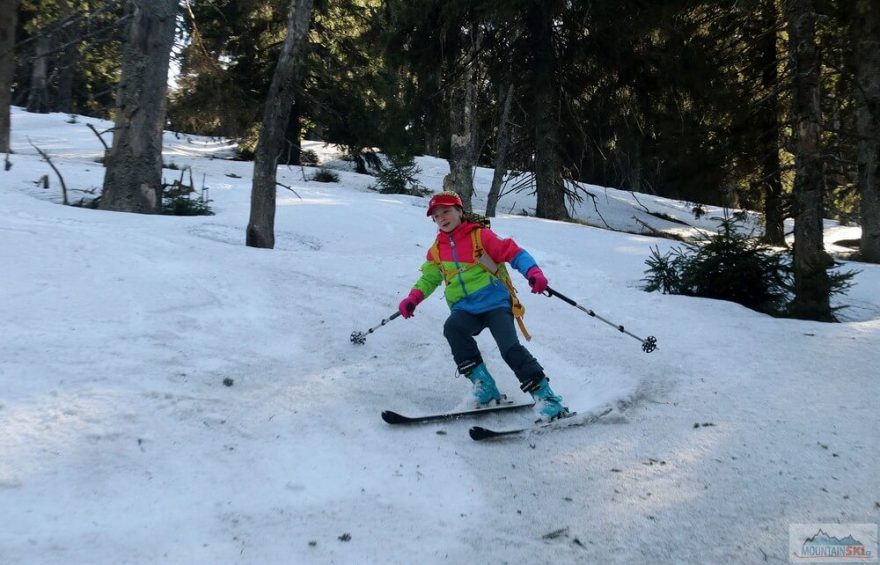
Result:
[38,97]
[545,112]
[867,63]
[271,144]
[434,133]
[7,67]
[133,178]
[293,138]
[63,101]
[502,144]
[461,165]
[768,126]
[812,284]
[360,164]
[462,141]
[633,160]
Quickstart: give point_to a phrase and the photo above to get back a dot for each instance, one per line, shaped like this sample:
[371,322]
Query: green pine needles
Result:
[399,176]
[325,175]
[177,200]
[731,266]
[477,218]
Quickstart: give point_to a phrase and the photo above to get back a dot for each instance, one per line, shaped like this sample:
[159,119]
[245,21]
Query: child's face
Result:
[447,218]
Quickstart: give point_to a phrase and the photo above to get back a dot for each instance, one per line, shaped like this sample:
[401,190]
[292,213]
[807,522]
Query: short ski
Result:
[395,418]
[479,434]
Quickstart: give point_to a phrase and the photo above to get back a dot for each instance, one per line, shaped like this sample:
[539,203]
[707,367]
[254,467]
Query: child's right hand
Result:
[408,305]
[537,280]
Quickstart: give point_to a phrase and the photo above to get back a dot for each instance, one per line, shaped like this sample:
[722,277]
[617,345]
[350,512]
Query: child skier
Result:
[479,298]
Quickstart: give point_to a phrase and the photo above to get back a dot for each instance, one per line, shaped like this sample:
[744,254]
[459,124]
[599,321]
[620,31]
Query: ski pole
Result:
[360,338]
[649,344]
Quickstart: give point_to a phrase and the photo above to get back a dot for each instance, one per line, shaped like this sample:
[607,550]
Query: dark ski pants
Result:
[461,327]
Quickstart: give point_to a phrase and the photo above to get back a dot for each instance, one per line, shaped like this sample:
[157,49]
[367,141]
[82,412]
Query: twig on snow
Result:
[45,156]
[101,139]
[288,188]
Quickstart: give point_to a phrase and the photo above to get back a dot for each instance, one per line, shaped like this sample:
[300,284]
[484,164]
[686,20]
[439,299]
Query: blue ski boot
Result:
[485,391]
[548,405]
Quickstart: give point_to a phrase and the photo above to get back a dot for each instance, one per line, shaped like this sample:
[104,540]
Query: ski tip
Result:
[393,417]
[479,434]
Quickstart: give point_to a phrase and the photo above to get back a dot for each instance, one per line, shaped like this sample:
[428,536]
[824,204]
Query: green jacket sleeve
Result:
[430,279]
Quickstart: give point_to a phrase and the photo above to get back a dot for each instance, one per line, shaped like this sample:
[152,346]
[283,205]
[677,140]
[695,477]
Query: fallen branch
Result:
[556,533]
[659,233]
[636,198]
[45,156]
[596,208]
[288,188]
[101,139]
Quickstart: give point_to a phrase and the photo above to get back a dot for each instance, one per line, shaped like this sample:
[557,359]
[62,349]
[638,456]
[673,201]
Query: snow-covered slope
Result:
[120,442]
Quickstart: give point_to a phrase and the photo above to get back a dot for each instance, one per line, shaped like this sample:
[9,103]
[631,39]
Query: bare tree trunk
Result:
[463,134]
[7,67]
[293,137]
[271,144]
[633,163]
[502,147]
[434,134]
[38,98]
[768,126]
[63,100]
[133,177]
[545,113]
[867,63]
[812,284]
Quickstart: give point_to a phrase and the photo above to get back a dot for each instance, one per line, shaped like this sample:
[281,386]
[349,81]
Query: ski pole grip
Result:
[551,292]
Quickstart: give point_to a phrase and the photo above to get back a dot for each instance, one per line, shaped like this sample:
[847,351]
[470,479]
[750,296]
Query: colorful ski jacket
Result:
[470,287]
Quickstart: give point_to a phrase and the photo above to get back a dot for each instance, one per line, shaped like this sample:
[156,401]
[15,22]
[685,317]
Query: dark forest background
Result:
[771,105]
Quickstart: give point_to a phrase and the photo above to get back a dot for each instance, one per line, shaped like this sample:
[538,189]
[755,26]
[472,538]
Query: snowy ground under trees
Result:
[120,442]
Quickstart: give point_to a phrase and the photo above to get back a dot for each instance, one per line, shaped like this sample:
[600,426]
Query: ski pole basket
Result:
[360,338]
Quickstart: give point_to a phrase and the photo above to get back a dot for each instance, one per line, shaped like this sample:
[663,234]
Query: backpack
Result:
[494,269]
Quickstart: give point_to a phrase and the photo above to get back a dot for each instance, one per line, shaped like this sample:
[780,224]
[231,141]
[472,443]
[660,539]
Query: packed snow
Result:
[169,395]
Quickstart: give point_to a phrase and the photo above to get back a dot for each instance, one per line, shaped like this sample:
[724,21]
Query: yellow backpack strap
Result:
[435,254]
[478,242]
[435,257]
[482,258]
[500,272]
[515,305]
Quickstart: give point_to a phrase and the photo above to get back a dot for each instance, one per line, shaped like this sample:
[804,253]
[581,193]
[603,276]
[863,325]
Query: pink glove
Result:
[537,280]
[408,304]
